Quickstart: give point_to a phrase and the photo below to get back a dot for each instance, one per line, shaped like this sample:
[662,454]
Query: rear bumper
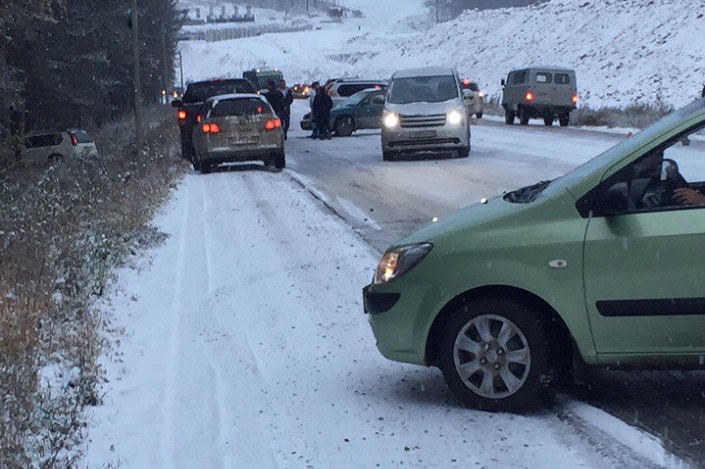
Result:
[229,155]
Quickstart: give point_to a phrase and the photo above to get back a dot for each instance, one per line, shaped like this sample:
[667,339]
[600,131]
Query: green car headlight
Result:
[399,260]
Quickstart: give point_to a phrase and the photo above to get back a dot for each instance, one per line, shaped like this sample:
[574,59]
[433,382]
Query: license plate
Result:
[243,140]
[423,134]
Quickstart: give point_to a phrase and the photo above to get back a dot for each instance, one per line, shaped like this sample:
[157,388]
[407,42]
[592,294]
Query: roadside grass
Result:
[633,116]
[63,230]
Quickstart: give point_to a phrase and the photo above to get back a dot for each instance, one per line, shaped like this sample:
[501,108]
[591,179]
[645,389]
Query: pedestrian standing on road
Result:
[314,92]
[275,98]
[288,100]
[703,91]
[322,105]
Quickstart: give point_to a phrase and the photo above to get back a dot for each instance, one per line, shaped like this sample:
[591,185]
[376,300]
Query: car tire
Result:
[548,120]
[564,119]
[479,115]
[344,126]
[389,156]
[463,152]
[204,167]
[196,162]
[186,151]
[509,117]
[523,116]
[280,161]
[494,355]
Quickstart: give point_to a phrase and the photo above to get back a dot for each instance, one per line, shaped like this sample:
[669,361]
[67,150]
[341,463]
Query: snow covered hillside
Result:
[624,52]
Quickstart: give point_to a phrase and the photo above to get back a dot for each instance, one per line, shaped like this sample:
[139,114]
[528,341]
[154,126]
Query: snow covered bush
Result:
[63,229]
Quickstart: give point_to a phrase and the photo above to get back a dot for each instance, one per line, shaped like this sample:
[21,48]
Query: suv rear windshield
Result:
[562,79]
[239,107]
[81,136]
[350,89]
[199,92]
[429,89]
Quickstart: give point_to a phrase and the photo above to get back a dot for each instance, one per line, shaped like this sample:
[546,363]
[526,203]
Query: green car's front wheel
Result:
[494,356]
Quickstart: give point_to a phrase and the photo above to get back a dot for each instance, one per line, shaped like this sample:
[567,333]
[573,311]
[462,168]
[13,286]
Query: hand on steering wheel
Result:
[674,182]
[688,196]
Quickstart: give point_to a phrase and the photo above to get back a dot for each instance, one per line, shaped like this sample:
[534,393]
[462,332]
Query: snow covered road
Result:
[242,343]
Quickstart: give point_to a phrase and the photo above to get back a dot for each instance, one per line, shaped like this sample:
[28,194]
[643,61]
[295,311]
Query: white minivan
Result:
[424,111]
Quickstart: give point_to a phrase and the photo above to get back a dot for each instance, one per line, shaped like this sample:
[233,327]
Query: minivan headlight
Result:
[399,260]
[390,120]
[455,117]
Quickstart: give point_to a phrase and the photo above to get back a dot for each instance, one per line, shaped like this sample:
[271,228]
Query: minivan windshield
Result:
[430,89]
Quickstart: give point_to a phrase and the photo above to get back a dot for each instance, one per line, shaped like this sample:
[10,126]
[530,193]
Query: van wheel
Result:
[509,117]
[495,356]
[564,119]
[523,116]
[479,115]
[548,120]
[204,167]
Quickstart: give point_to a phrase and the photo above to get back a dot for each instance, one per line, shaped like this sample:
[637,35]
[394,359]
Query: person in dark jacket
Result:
[322,105]
[275,98]
[314,92]
[288,100]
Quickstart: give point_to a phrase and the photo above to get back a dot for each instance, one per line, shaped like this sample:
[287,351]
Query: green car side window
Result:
[654,181]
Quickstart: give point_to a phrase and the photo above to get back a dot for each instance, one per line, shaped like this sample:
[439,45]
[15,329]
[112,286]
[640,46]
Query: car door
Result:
[644,268]
[369,113]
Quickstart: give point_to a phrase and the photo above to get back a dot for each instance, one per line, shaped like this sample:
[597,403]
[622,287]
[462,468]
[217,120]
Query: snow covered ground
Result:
[244,345]
[624,52]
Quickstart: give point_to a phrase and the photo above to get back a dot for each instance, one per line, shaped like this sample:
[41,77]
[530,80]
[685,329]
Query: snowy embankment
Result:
[626,52]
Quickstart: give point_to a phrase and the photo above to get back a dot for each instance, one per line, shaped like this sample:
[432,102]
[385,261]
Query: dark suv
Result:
[193,101]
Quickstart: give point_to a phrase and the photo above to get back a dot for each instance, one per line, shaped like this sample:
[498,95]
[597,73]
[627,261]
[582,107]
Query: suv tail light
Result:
[272,124]
[182,115]
[74,139]
[210,128]
[575,99]
[529,96]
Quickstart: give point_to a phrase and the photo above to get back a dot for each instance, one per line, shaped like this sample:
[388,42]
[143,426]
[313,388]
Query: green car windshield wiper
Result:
[526,194]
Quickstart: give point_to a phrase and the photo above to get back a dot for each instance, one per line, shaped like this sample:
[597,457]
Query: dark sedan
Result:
[359,111]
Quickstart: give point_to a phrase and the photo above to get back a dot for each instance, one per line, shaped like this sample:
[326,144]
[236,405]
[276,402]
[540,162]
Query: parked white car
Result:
[42,146]
[474,98]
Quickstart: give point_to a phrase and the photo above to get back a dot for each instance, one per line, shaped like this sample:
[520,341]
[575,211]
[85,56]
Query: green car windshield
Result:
[611,156]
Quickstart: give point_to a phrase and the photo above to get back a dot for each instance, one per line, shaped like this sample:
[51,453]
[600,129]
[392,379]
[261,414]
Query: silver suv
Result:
[543,92]
[42,146]
[424,111]
[341,89]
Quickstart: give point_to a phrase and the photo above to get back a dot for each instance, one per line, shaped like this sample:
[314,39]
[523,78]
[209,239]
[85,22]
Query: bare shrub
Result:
[63,229]
[633,116]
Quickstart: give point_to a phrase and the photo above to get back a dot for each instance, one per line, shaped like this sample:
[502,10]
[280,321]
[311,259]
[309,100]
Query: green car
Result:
[359,111]
[600,267]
